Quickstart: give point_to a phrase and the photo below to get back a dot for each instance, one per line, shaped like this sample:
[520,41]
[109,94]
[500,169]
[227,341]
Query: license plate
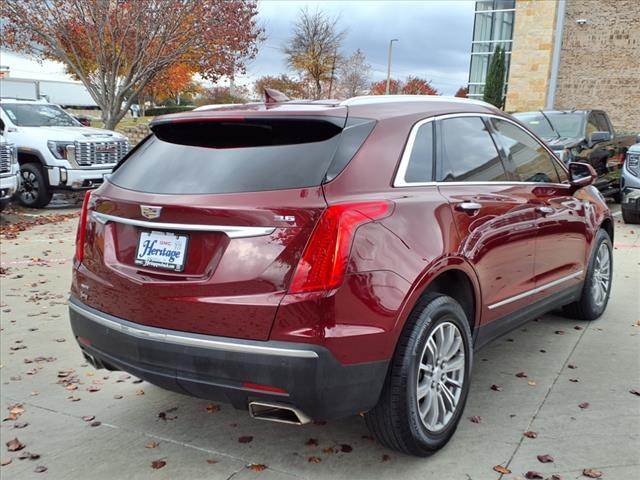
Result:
[162,250]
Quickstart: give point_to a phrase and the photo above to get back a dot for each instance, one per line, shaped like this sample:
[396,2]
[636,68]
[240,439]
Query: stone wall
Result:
[135,133]
[600,60]
[532,54]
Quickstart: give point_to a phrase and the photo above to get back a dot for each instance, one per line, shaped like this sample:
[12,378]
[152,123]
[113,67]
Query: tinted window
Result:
[420,167]
[159,166]
[467,152]
[530,160]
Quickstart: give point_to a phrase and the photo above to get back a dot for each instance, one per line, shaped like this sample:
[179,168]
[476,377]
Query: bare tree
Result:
[314,47]
[354,75]
[117,47]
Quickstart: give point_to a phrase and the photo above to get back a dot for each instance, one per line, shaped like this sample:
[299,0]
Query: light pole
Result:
[389,64]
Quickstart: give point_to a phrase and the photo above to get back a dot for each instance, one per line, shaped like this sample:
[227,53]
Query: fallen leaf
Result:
[572,366]
[75,399]
[14,445]
[530,434]
[20,424]
[577,327]
[559,332]
[476,419]
[118,397]
[211,461]
[212,407]
[574,380]
[346,448]
[95,424]
[496,388]
[532,474]
[31,456]
[546,458]
[151,445]
[88,418]
[5,462]
[93,388]
[140,392]
[245,439]
[555,476]
[257,467]
[40,469]
[315,459]
[531,383]
[521,375]
[386,458]
[501,469]
[584,405]
[328,450]
[312,442]
[591,473]
[156,464]
[635,392]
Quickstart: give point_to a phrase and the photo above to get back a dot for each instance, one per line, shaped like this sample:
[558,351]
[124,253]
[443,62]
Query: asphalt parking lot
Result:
[578,391]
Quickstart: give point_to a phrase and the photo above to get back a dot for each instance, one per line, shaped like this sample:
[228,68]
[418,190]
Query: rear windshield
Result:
[232,157]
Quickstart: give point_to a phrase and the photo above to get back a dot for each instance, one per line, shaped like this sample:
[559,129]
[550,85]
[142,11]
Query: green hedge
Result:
[153,112]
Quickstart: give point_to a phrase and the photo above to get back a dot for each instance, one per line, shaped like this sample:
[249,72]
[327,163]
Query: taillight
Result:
[324,261]
[82,227]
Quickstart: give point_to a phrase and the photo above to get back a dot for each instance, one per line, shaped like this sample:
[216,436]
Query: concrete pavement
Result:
[140,423]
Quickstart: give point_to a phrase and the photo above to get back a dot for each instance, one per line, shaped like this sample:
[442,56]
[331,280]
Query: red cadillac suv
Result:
[314,260]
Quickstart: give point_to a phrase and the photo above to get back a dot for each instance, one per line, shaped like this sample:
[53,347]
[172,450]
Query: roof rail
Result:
[376,99]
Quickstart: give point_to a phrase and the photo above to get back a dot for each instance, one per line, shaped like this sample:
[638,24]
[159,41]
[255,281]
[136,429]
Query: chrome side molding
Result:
[230,230]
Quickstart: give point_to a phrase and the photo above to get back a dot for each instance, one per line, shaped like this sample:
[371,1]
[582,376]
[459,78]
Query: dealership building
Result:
[562,54]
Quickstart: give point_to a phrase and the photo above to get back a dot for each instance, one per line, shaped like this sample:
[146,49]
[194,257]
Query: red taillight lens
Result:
[324,261]
[82,227]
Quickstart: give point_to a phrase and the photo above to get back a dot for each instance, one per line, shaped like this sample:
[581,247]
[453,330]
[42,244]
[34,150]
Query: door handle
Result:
[468,206]
[545,210]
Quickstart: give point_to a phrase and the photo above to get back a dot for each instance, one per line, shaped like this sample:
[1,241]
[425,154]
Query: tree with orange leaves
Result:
[462,92]
[418,86]
[380,88]
[117,47]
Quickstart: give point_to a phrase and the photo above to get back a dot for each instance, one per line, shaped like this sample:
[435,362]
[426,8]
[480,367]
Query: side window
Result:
[530,160]
[467,152]
[601,122]
[592,125]
[420,167]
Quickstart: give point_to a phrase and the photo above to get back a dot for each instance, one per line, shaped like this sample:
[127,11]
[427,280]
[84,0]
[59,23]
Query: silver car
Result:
[631,185]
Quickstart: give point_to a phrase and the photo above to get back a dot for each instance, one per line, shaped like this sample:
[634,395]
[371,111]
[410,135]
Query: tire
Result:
[34,191]
[593,301]
[396,421]
[630,217]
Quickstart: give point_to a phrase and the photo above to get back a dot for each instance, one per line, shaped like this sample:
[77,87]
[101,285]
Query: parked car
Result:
[583,136]
[8,169]
[309,260]
[631,186]
[55,152]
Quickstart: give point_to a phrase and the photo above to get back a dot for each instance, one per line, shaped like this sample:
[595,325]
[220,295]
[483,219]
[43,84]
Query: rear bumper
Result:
[308,376]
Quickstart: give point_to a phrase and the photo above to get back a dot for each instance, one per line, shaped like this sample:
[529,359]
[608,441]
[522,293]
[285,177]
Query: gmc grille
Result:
[99,153]
[5,158]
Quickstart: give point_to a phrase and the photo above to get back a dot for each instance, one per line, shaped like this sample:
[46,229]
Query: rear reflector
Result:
[263,388]
[82,228]
[324,261]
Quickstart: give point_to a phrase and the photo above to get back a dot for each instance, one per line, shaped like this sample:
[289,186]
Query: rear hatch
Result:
[201,228]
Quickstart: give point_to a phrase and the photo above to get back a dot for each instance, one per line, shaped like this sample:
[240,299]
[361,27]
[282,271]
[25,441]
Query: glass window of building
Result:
[493,27]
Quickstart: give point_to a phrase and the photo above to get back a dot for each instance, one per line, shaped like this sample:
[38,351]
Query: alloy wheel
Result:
[29,187]
[440,376]
[601,275]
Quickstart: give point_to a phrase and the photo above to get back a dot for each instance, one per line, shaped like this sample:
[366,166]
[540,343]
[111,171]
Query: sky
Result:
[434,40]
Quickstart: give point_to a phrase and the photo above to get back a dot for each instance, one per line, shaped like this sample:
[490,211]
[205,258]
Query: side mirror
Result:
[581,174]
[1,126]
[598,137]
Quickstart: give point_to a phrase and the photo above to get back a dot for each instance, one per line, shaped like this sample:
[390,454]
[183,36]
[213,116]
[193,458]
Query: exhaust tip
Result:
[277,412]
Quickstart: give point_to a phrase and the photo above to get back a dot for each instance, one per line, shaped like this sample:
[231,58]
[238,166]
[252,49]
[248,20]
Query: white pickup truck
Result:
[9,171]
[56,152]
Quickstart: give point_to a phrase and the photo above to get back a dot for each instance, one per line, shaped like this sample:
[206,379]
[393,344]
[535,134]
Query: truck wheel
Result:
[34,191]
[597,283]
[630,217]
[428,380]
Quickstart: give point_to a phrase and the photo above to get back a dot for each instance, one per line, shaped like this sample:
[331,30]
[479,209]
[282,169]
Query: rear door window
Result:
[230,157]
[467,152]
[530,161]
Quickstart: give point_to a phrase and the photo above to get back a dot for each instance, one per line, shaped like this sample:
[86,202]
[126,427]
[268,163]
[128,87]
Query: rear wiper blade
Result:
[549,122]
